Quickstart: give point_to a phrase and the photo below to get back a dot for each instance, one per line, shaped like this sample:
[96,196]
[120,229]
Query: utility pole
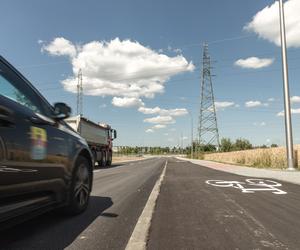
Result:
[208,127]
[79,94]
[192,135]
[287,105]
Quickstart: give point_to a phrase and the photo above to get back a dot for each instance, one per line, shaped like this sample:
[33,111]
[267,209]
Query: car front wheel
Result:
[80,187]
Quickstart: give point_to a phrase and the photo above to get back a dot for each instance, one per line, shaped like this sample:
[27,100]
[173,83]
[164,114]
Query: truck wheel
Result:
[109,159]
[80,187]
[103,163]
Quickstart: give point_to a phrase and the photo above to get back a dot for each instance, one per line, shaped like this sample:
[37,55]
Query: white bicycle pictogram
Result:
[250,185]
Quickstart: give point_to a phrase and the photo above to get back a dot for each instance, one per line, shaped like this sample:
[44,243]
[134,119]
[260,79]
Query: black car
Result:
[44,164]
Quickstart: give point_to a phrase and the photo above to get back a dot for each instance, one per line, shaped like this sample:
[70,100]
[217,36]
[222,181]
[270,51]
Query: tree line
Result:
[226,145]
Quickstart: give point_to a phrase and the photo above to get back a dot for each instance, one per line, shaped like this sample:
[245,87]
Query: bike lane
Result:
[201,208]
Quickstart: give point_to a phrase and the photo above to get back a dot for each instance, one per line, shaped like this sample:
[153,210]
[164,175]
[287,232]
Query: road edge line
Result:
[139,236]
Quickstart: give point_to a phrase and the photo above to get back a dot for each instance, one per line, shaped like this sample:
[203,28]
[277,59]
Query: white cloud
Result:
[60,47]
[160,120]
[126,102]
[222,105]
[159,126]
[166,134]
[163,112]
[266,23]
[261,124]
[118,68]
[293,111]
[179,51]
[295,99]
[254,62]
[253,104]
[271,99]
[184,138]
[149,130]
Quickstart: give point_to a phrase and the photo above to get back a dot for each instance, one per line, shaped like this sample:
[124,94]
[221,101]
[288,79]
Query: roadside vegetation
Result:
[242,152]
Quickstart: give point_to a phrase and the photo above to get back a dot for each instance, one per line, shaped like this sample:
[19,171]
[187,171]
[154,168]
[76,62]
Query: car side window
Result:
[14,87]
[9,91]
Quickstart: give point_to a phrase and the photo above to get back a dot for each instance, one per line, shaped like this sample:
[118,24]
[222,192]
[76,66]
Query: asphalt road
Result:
[193,213]
[118,198]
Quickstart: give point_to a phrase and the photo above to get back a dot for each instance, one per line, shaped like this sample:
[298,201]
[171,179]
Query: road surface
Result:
[193,211]
[118,198]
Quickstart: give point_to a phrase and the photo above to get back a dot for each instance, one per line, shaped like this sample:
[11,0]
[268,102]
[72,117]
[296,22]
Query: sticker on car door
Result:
[38,143]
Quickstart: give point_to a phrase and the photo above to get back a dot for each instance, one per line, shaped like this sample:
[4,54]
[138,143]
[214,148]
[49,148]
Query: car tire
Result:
[80,187]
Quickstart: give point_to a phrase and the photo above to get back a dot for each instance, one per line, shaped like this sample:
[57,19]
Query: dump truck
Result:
[98,136]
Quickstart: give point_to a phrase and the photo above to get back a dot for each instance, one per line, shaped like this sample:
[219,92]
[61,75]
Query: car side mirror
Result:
[61,111]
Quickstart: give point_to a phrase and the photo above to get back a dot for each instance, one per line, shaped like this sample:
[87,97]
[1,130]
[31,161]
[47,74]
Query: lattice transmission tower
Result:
[79,93]
[208,127]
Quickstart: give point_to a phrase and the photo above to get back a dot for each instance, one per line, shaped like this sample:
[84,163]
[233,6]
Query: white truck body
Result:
[93,133]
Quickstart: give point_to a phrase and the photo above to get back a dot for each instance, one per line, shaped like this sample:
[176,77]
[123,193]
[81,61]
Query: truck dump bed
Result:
[90,131]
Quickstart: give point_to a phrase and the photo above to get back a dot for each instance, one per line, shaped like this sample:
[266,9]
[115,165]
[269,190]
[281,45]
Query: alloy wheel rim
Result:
[82,185]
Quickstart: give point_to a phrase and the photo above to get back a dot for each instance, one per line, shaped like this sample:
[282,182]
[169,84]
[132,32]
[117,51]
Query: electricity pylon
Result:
[208,127]
[79,94]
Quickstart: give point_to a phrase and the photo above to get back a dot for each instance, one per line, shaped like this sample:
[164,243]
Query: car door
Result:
[35,151]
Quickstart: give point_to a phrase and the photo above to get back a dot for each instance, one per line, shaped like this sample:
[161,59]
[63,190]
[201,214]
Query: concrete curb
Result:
[138,239]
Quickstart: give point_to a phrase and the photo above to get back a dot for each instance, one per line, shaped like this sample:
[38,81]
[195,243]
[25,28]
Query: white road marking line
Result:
[97,170]
[138,239]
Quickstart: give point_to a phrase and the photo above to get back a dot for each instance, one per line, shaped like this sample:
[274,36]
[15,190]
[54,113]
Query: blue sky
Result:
[172,28]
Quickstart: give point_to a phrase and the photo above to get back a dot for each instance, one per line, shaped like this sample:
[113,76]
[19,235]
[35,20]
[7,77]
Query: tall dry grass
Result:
[261,158]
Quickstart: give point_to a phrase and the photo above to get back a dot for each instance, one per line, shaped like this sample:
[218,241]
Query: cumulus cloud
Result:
[126,102]
[271,99]
[156,127]
[159,126]
[223,105]
[254,62]
[266,23]
[160,120]
[253,104]
[295,99]
[118,68]
[59,47]
[293,111]
[163,112]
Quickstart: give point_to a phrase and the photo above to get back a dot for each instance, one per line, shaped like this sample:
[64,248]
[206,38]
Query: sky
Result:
[141,63]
